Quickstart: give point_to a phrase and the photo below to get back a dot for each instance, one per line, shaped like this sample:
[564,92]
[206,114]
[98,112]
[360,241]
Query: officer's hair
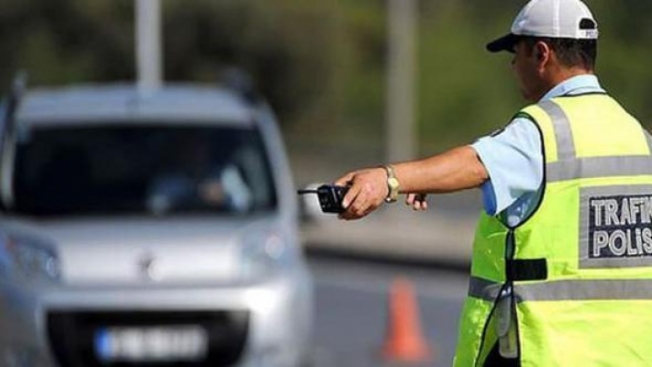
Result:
[570,52]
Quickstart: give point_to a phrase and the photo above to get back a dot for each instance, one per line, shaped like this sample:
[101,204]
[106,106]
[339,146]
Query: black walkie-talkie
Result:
[330,197]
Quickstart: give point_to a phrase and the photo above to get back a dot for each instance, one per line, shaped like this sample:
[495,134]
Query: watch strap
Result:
[392,184]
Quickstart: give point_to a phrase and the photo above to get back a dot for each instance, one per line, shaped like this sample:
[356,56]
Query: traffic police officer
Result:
[562,262]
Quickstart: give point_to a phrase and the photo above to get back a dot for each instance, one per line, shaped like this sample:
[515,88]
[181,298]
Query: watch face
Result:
[392,182]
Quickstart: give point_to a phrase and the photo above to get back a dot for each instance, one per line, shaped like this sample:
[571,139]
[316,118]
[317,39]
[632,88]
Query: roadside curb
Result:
[406,237]
[326,252]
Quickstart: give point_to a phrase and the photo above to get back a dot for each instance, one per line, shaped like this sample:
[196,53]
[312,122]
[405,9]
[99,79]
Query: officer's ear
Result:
[540,50]
[542,53]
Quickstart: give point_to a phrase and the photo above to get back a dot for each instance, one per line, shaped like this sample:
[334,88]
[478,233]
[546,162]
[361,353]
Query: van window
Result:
[161,169]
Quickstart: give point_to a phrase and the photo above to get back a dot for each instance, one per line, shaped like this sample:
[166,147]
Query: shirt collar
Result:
[586,83]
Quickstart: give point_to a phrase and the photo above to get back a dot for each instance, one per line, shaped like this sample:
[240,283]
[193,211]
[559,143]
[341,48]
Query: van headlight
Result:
[265,254]
[26,261]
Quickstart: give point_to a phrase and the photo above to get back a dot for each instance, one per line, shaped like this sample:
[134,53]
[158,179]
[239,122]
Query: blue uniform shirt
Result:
[513,159]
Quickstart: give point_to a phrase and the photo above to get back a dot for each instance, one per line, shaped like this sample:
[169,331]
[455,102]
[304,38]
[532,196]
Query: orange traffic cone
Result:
[404,341]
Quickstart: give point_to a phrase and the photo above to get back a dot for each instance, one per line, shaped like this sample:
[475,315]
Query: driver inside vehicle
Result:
[198,180]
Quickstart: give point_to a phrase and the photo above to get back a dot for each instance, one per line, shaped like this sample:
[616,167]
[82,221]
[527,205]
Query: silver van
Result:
[153,229]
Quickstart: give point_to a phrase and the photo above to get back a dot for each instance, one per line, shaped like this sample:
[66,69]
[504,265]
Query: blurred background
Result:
[327,68]
[322,65]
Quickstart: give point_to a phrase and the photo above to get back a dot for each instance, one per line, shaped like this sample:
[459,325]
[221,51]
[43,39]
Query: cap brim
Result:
[504,43]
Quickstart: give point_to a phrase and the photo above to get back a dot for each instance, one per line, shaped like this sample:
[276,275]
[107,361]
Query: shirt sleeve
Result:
[514,161]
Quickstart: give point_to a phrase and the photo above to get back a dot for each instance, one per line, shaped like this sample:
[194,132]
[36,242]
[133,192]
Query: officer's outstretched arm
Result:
[457,169]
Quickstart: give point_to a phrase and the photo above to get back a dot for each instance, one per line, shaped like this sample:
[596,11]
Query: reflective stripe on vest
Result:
[599,167]
[570,167]
[567,290]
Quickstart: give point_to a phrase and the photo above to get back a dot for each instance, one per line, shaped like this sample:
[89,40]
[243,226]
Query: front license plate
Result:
[151,343]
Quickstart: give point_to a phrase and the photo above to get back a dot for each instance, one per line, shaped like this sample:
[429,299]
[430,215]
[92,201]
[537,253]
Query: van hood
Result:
[135,251]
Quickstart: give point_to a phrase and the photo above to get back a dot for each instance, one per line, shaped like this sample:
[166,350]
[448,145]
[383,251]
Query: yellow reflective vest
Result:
[572,284]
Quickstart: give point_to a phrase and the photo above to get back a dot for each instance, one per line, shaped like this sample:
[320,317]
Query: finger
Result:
[422,201]
[350,197]
[358,211]
[360,206]
[352,213]
[355,194]
[371,208]
[345,180]
[409,199]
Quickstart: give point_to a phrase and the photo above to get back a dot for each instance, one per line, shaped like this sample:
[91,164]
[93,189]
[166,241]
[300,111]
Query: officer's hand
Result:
[367,191]
[417,201]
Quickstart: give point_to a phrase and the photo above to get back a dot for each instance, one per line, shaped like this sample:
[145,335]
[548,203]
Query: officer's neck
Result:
[557,75]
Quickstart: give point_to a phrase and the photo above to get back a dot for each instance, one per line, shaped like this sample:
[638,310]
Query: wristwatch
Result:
[392,184]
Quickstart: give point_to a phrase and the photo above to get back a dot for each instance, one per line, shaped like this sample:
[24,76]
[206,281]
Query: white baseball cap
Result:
[552,19]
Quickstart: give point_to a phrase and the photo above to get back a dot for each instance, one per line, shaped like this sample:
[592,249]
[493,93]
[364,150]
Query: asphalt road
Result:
[352,309]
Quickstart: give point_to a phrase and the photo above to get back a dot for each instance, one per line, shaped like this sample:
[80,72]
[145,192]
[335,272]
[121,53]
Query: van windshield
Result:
[146,169]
